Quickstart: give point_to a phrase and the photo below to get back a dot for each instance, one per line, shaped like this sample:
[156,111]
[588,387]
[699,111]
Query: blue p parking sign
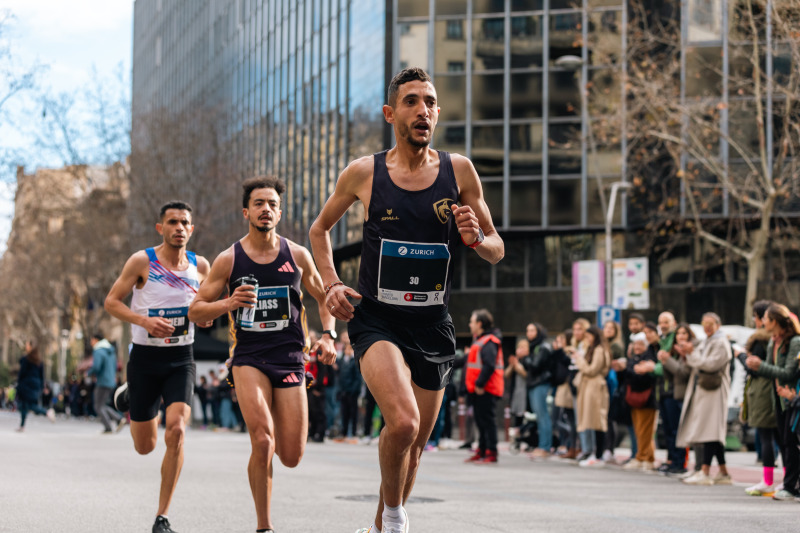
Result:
[606,313]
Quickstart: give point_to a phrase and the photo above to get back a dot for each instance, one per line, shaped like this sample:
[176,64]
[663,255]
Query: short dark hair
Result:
[98,335]
[261,182]
[637,316]
[173,204]
[651,326]
[760,308]
[485,318]
[404,76]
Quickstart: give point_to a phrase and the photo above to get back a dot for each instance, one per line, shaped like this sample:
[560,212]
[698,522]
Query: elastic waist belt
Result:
[388,314]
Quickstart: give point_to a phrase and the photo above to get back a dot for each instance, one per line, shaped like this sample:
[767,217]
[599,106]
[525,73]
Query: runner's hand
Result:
[337,304]
[326,351]
[158,326]
[467,222]
[206,324]
[243,296]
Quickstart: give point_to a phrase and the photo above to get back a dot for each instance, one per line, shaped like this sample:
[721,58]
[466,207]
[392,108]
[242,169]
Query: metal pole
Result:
[609,218]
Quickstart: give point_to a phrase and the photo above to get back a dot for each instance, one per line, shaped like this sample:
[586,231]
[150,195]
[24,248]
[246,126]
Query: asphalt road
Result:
[67,477]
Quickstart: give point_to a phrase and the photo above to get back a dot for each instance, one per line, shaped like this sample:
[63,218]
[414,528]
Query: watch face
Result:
[331,333]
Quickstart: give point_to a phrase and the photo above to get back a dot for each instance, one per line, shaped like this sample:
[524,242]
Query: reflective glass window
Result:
[487,150]
[488,38]
[451,7]
[604,92]
[605,37]
[414,44]
[493,194]
[526,95]
[478,271]
[564,202]
[543,262]
[565,95]
[525,157]
[526,42]
[487,97]
[564,148]
[488,6]
[510,272]
[450,138]
[413,8]
[452,94]
[704,71]
[526,5]
[451,51]
[565,35]
[525,203]
[594,208]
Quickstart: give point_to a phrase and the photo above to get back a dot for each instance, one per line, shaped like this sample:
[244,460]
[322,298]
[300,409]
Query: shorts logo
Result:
[402,250]
[442,209]
[291,378]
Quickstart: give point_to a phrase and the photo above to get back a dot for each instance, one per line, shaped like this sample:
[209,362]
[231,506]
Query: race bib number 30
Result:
[412,274]
[178,318]
[273,311]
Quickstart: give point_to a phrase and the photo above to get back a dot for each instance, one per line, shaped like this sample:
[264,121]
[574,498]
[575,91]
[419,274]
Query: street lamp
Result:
[617,185]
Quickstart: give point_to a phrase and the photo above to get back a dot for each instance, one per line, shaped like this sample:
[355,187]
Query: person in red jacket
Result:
[484,379]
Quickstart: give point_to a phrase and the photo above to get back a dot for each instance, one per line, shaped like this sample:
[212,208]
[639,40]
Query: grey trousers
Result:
[102,395]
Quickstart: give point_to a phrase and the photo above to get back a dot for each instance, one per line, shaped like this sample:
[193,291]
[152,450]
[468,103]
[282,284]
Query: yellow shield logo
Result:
[442,209]
[388,211]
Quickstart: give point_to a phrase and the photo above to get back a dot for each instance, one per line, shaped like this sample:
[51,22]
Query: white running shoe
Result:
[760,489]
[51,415]
[700,478]
[365,530]
[396,528]
[591,461]
[722,479]
[633,464]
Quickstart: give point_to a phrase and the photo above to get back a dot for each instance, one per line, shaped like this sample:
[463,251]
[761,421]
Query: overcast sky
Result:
[70,36]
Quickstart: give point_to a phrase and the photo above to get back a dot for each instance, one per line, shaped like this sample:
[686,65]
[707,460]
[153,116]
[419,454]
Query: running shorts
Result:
[155,373]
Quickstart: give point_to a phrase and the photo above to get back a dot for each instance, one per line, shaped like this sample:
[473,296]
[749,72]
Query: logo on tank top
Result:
[389,217]
[442,209]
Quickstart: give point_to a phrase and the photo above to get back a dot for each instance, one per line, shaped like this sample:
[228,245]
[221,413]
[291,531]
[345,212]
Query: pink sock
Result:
[768,471]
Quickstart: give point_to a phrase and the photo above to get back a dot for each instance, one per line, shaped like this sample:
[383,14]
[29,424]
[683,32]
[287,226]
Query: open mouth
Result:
[422,127]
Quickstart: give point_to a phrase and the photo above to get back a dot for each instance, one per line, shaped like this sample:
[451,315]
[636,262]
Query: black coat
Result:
[538,365]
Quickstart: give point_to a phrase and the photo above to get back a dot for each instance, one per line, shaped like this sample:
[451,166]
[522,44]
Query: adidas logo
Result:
[291,378]
[287,267]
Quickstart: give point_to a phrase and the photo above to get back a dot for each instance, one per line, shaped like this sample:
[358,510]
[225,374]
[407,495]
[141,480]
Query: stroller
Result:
[528,434]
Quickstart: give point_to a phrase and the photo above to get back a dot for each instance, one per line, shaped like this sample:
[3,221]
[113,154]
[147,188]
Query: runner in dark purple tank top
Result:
[402,334]
[268,356]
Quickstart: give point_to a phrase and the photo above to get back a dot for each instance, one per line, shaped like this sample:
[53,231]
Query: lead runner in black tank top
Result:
[397,283]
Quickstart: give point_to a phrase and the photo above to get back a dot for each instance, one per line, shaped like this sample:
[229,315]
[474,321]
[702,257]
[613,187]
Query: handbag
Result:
[637,399]
[709,381]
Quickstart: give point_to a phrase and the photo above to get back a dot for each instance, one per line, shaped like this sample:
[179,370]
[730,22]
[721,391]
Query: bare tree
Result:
[700,152]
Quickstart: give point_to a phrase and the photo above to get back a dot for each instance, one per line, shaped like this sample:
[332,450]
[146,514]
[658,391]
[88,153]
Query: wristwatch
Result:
[331,332]
[479,240]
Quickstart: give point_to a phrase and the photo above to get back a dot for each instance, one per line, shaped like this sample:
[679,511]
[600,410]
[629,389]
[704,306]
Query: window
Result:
[455,30]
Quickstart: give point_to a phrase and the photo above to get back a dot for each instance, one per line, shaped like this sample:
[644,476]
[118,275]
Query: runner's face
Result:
[176,227]
[415,113]
[264,209]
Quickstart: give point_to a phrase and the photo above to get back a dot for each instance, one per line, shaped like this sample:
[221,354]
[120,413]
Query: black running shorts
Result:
[428,349]
[281,375]
[156,373]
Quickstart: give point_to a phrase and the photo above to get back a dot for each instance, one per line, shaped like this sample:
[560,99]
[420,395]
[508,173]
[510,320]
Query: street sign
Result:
[606,313]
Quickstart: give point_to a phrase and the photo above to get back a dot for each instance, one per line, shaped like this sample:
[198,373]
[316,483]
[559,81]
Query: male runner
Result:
[402,333]
[268,358]
[164,281]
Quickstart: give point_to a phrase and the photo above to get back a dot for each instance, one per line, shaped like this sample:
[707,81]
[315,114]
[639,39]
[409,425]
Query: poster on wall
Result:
[631,282]
[588,285]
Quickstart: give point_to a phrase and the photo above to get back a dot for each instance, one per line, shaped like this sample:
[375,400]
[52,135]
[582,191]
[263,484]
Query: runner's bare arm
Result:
[354,184]
[136,268]
[474,213]
[207,305]
[313,284]
[203,269]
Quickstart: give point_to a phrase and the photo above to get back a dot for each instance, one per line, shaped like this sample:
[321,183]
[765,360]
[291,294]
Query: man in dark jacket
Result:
[485,382]
[349,388]
[104,367]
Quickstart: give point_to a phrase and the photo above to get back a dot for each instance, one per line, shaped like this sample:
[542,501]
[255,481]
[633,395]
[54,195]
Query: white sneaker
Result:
[365,530]
[51,415]
[633,464]
[760,489]
[700,478]
[648,466]
[688,474]
[591,461]
[722,479]
[607,456]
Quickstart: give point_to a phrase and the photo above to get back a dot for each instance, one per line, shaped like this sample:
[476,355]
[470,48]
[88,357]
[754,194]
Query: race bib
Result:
[412,274]
[179,318]
[273,311]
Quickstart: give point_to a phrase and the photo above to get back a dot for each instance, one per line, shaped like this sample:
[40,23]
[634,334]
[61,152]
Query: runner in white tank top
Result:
[164,280]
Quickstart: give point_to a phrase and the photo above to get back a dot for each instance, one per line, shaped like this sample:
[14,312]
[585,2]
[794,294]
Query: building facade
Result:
[302,83]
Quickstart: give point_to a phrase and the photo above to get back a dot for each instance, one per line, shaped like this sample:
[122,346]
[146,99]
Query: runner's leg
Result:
[177,416]
[389,379]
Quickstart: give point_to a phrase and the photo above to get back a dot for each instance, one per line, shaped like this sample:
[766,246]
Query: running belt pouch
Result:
[709,380]
[635,399]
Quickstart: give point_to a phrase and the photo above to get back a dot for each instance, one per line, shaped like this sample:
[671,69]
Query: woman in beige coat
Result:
[704,418]
[593,399]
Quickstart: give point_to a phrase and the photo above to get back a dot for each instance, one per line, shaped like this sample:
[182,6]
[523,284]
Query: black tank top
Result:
[280,318]
[405,253]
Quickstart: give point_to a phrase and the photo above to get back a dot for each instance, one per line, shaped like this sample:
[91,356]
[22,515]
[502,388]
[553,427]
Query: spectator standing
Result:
[201,391]
[30,381]
[704,418]
[317,421]
[759,406]
[613,335]
[485,382]
[564,416]
[104,368]
[539,376]
[349,388]
[781,367]
[593,398]
[673,379]
[515,373]
[578,348]
[640,395]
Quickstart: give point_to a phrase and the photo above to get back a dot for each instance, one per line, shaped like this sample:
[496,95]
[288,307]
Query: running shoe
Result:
[591,461]
[121,400]
[760,489]
[121,424]
[633,464]
[675,472]
[162,525]
[700,478]
[51,415]
[722,479]
[396,528]
[490,457]
[783,495]
[365,530]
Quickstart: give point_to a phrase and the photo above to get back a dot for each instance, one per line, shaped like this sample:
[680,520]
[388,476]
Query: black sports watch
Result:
[331,332]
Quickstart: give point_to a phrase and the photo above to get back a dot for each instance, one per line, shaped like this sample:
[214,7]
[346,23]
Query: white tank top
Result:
[166,294]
